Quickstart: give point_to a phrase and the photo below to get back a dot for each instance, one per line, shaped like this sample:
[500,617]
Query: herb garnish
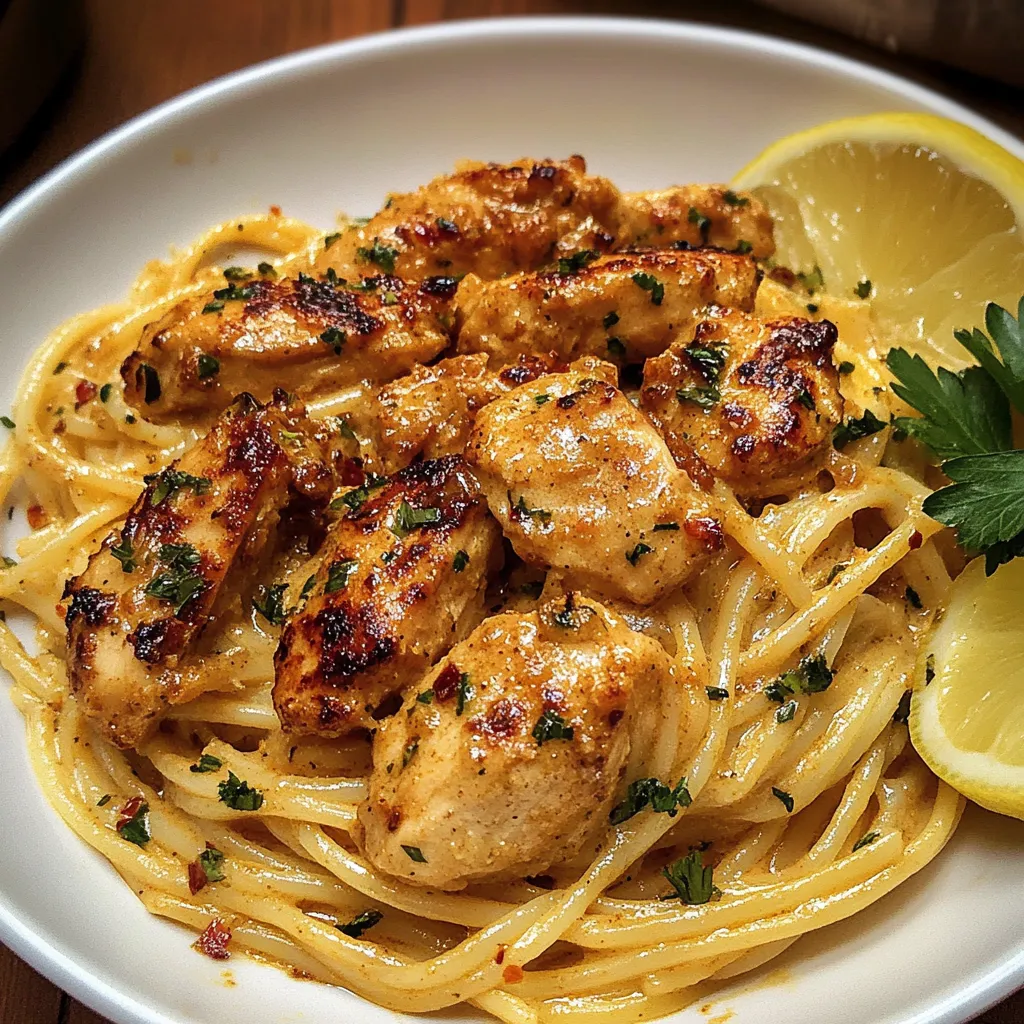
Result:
[846,367]
[813,281]
[653,792]
[7,422]
[460,561]
[124,554]
[703,223]
[863,288]
[787,712]
[206,763]
[716,692]
[651,284]
[520,509]
[854,429]
[784,798]
[406,519]
[170,481]
[577,261]
[463,694]
[639,550]
[812,675]
[208,366]
[705,397]
[338,574]
[134,823]
[691,880]
[551,726]
[270,603]
[383,255]
[211,861]
[414,853]
[710,360]
[865,840]
[334,338]
[360,923]
[179,583]
[733,199]
[330,239]
[239,795]
[355,498]
[659,527]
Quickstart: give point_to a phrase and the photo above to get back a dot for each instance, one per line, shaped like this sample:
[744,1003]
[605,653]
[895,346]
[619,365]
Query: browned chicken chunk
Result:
[696,215]
[629,306]
[581,481]
[491,219]
[430,412]
[307,336]
[402,577]
[507,758]
[150,590]
[756,400]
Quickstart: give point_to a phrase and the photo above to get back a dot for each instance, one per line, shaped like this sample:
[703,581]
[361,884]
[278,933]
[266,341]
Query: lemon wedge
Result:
[915,213]
[967,712]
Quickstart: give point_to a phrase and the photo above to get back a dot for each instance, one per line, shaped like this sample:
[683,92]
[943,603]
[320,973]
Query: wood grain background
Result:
[137,54]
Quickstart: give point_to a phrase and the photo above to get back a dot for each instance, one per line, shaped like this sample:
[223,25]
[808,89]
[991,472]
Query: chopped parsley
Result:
[551,726]
[542,399]
[577,261]
[170,481]
[813,307]
[338,574]
[124,554]
[691,880]
[846,367]
[426,697]
[266,270]
[103,800]
[716,692]
[406,519]
[414,853]
[208,366]
[463,694]
[743,247]
[733,199]
[213,306]
[60,368]
[520,509]
[135,825]
[355,498]
[460,561]
[447,225]
[705,397]
[854,429]
[650,792]
[360,923]
[784,798]
[812,675]
[206,763]
[270,603]
[105,392]
[639,550]
[409,752]
[335,338]
[703,222]
[235,294]
[865,840]
[239,795]
[649,283]
[236,273]
[384,256]
[787,712]
[863,288]
[813,280]
[179,583]
[572,616]
[211,860]
[330,239]
[662,527]
[709,359]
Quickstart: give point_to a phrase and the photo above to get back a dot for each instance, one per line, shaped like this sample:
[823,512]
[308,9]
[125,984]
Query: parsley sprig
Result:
[965,420]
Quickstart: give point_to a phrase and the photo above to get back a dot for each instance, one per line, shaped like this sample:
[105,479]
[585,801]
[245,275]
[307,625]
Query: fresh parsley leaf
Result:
[813,280]
[206,763]
[653,793]
[691,880]
[694,216]
[236,274]
[409,752]
[355,498]
[709,359]
[239,795]
[639,550]
[743,247]
[542,399]
[213,306]
[571,615]
[812,675]
[179,583]
[577,261]
[335,338]
[414,853]
[651,284]
[855,428]
[961,413]
[103,800]
[733,199]
[406,519]
[338,574]
[134,825]
[460,561]
[384,256]
[551,726]
[1008,335]
[330,239]
[124,554]
[785,799]
[360,923]
[845,366]
[208,366]
[211,860]
[266,270]
[787,712]
[426,697]
[170,481]
[865,840]
[463,694]
[270,603]
[704,397]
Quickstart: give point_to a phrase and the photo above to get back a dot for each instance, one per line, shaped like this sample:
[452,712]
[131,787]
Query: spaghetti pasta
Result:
[806,819]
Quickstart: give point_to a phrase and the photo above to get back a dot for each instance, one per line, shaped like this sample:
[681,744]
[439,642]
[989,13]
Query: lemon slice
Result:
[927,210]
[967,715]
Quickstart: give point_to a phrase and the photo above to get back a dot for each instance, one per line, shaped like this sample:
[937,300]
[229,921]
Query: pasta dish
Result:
[509,599]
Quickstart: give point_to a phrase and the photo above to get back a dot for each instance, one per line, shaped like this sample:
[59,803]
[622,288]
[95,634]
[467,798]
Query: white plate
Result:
[649,104]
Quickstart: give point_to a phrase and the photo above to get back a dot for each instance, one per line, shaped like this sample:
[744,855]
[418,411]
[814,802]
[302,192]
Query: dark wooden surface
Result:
[137,54]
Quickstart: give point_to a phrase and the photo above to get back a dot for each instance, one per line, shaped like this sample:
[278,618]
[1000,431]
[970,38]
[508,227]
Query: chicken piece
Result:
[491,219]
[757,400]
[506,759]
[628,306]
[403,576]
[696,215]
[151,589]
[581,481]
[430,412]
[304,335]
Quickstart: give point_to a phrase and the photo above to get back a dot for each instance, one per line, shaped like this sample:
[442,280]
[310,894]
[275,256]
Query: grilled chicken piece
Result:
[430,412]
[756,400]
[491,219]
[507,757]
[304,335]
[402,578]
[150,590]
[581,481]
[696,215]
[630,305]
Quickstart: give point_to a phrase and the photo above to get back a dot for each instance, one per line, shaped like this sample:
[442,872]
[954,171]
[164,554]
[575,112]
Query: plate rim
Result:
[120,1004]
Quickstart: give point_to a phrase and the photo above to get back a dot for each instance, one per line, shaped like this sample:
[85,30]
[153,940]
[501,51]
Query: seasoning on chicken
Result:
[491,219]
[430,412]
[402,578]
[581,481]
[506,759]
[150,590]
[305,335]
[628,306]
[756,400]
[696,215]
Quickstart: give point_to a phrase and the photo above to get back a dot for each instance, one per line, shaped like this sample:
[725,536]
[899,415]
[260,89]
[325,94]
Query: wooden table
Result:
[138,54]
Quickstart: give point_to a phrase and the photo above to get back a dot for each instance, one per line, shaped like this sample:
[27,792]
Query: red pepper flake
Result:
[59,427]
[707,530]
[916,540]
[500,955]
[85,391]
[196,877]
[37,516]
[512,974]
[447,683]
[275,210]
[61,610]
[214,941]
[130,809]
